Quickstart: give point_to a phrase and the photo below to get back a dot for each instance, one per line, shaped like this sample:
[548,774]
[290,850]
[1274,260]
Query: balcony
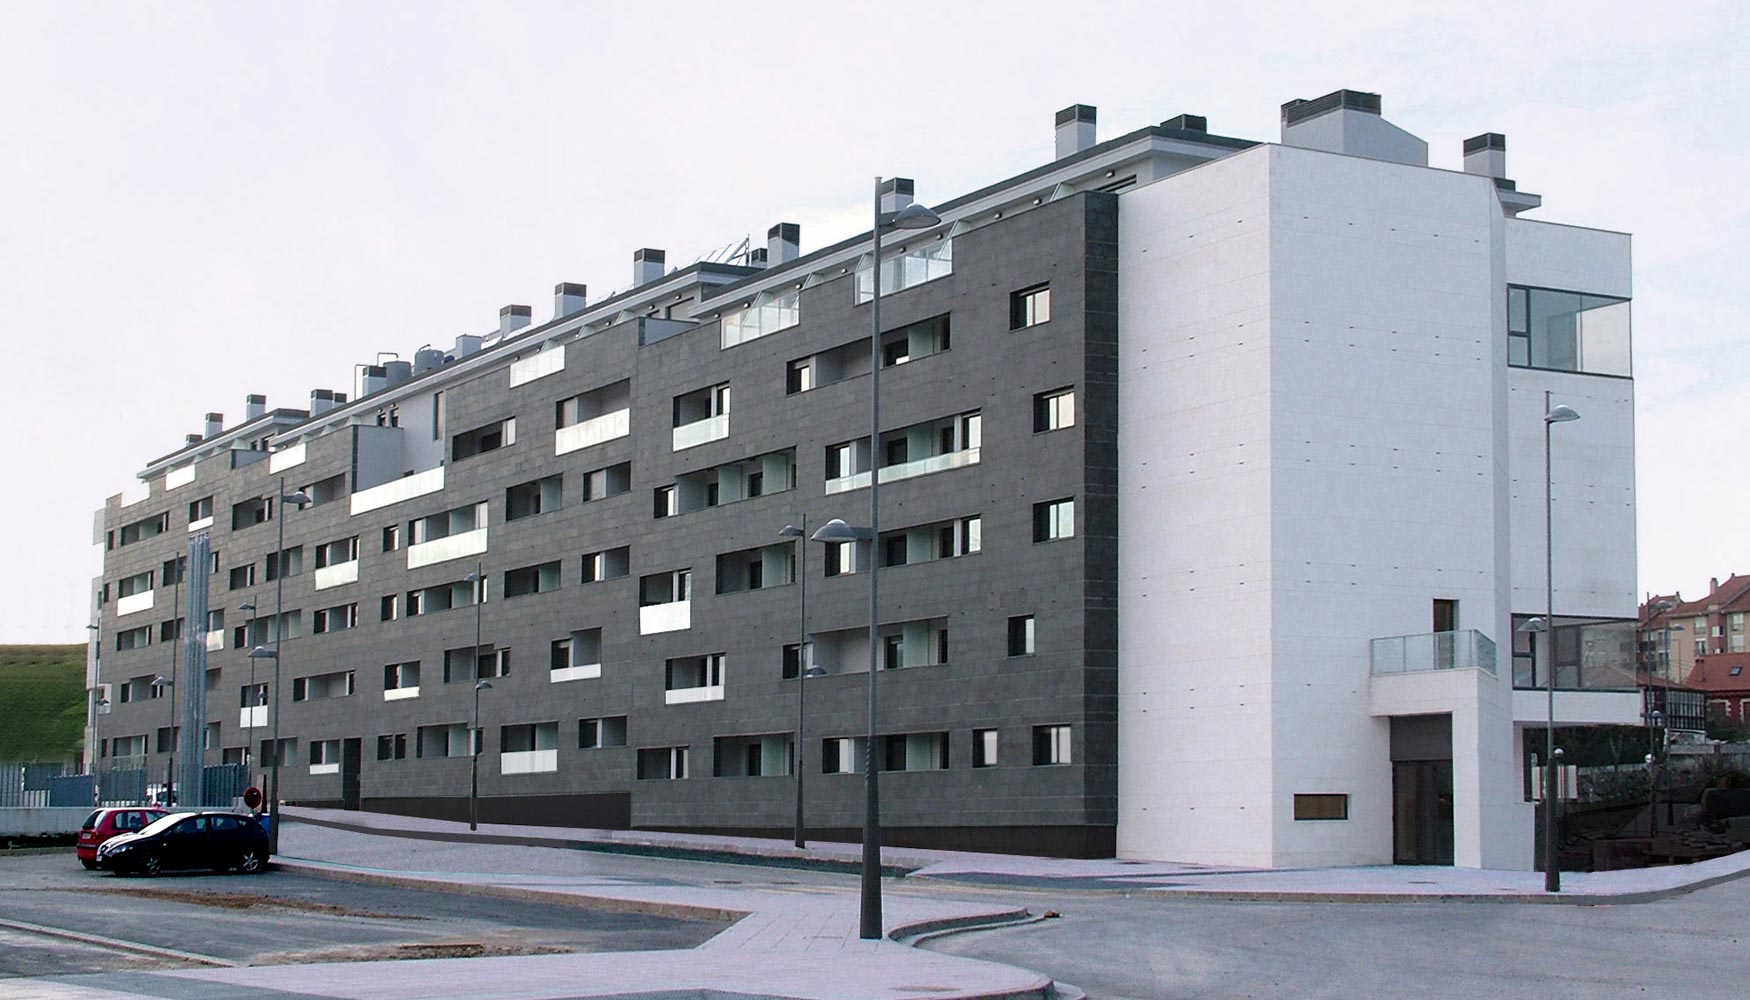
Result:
[325,768]
[465,543]
[688,696]
[401,694]
[594,431]
[671,617]
[253,717]
[538,365]
[134,602]
[216,640]
[1466,649]
[575,672]
[397,490]
[906,470]
[286,458]
[200,524]
[528,761]
[701,431]
[179,477]
[336,575]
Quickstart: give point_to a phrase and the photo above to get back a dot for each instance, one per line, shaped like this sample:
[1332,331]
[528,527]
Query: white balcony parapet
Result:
[397,490]
[324,768]
[538,365]
[671,617]
[1466,649]
[528,761]
[200,525]
[462,543]
[701,431]
[253,717]
[287,458]
[134,602]
[336,575]
[687,696]
[179,477]
[593,431]
[906,470]
[215,640]
[578,672]
[401,694]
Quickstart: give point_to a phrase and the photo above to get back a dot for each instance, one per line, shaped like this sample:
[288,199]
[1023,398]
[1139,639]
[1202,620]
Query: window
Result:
[321,686]
[531,580]
[766,314]
[608,564]
[393,747]
[389,608]
[663,502]
[1567,331]
[170,631]
[596,734]
[609,482]
[1030,307]
[841,755]
[984,748]
[392,538]
[1021,635]
[531,498]
[139,583]
[133,638]
[662,763]
[1321,806]
[694,678]
[336,619]
[479,441]
[139,531]
[249,512]
[485,662]
[792,665]
[915,752]
[337,552]
[908,267]
[799,376]
[846,557]
[242,576]
[1054,519]
[200,510]
[1050,745]
[292,559]
[577,656]
[401,677]
[1054,410]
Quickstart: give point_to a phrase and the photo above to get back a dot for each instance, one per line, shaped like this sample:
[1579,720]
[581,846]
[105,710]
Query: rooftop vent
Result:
[1075,129]
[1348,121]
[191,439]
[254,405]
[323,400]
[783,243]
[1187,123]
[215,424]
[648,265]
[513,318]
[1486,154]
[895,193]
[569,298]
[466,344]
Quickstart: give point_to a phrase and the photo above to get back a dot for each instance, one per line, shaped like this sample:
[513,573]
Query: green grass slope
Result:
[42,702]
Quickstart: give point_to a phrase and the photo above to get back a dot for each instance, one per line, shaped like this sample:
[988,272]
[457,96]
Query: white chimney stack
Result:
[895,193]
[323,400]
[1075,129]
[648,265]
[569,298]
[1486,154]
[512,319]
[783,243]
[1349,122]
[215,424]
[254,405]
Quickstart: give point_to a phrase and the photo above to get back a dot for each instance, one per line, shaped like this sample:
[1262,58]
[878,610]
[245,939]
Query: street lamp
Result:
[797,755]
[279,631]
[474,741]
[248,634]
[1655,720]
[162,681]
[92,740]
[97,708]
[1552,877]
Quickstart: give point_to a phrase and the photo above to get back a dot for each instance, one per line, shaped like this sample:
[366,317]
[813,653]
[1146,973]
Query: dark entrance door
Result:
[1422,812]
[350,753]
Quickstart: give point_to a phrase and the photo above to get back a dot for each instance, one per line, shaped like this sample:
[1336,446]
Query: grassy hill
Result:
[42,702]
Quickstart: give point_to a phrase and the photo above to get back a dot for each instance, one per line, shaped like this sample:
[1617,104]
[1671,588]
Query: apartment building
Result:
[1212,506]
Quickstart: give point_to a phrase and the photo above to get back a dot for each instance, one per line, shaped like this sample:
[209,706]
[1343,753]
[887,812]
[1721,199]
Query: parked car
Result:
[106,823]
[185,840]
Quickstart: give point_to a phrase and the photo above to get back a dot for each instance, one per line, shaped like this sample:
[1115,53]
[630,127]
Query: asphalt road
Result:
[1137,947]
[285,916]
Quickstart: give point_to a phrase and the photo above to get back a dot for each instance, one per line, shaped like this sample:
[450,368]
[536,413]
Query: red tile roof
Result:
[1713,673]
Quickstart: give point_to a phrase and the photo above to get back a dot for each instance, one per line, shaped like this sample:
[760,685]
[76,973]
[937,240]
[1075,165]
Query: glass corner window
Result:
[1568,331]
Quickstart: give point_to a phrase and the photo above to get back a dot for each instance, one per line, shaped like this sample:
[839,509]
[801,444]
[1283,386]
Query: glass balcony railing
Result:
[1466,649]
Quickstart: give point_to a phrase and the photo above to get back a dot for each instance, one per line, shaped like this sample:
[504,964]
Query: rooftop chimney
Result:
[512,319]
[254,405]
[322,400]
[895,193]
[569,298]
[1187,123]
[1486,154]
[1075,129]
[215,424]
[648,265]
[466,344]
[1348,121]
[757,257]
[367,379]
[783,243]
[191,439]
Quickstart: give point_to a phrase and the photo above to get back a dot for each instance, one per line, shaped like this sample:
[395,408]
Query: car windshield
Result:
[165,823]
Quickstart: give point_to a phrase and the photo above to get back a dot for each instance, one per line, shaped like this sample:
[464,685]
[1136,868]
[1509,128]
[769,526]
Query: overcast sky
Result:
[199,201]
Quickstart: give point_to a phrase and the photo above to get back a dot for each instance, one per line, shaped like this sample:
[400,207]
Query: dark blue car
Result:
[221,841]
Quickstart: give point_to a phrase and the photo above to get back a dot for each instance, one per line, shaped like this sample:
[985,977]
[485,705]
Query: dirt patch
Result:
[243,901]
[398,952]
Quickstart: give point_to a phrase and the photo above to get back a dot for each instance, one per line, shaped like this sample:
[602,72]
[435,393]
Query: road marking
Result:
[120,945]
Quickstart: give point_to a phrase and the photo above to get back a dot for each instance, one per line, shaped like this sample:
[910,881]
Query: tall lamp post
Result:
[248,634]
[94,747]
[263,653]
[1552,876]
[162,682]
[474,741]
[1655,720]
[178,565]
[478,579]
[803,669]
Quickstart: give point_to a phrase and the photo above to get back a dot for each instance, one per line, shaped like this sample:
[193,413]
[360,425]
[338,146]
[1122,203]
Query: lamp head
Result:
[1560,413]
[1661,606]
[815,671]
[263,653]
[300,498]
[482,685]
[789,531]
[915,216]
[836,530]
[162,681]
[246,606]
[1533,625]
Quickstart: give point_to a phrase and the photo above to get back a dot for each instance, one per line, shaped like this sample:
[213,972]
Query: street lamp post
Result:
[1655,720]
[161,682]
[909,217]
[478,579]
[175,641]
[248,635]
[279,630]
[1552,415]
[93,740]
[474,741]
[797,755]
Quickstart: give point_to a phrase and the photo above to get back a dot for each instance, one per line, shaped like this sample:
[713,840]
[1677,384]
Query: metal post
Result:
[474,738]
[279,629]
[869,922]
[249,641]
[175,616]
[1552,877]
[798,755]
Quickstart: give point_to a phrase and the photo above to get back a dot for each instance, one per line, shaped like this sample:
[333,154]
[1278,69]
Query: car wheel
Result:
[89,865]
[150,865]
[254,861]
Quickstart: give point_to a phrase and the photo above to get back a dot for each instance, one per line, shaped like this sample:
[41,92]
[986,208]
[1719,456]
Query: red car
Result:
[106,823]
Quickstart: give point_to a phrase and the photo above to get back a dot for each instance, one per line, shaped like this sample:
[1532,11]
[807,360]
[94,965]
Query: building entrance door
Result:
[350,753]
[1422,812]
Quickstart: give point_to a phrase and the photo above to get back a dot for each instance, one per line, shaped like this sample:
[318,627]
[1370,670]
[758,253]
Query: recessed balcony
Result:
[1466,649]
[594,431]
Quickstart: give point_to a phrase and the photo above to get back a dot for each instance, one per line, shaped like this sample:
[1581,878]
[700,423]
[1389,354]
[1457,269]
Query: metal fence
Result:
[41,785]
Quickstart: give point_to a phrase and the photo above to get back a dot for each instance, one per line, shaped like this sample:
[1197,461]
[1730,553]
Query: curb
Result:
[611,904]
[911,934]
[1523,898]
[119,945]
[635,849]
